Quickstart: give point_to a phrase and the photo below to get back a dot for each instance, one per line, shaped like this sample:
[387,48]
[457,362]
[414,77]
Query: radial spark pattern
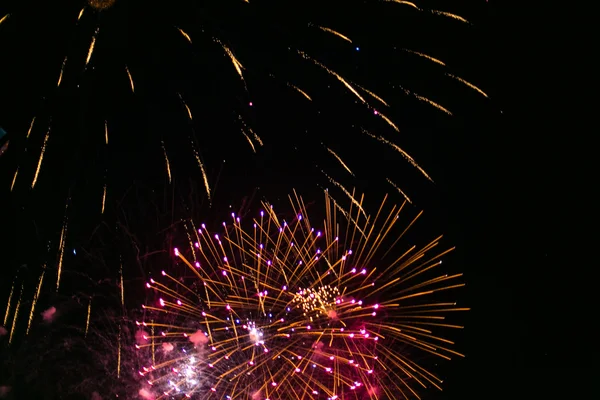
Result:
[285,310]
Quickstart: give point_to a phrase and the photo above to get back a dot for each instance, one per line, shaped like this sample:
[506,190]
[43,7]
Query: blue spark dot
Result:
[357,48]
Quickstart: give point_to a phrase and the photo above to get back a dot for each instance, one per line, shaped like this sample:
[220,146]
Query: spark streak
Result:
[399,150]
[130,79]
[39,166]
[62,70]
[340,160]
[16,315]
[36,296]
[469,84]
[92,45]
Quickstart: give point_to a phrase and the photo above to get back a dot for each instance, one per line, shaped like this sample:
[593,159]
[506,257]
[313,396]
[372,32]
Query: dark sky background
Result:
[503,183]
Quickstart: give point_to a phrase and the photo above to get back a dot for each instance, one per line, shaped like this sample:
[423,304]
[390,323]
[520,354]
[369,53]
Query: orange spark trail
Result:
[92,45]
[30,128]
[166,160]
[36,296]
[469,84]
[37,171]
[399,190]
[399,150]
[62,70]
[130,79]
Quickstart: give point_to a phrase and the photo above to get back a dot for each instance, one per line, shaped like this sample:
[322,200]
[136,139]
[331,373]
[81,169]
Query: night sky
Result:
[500,193]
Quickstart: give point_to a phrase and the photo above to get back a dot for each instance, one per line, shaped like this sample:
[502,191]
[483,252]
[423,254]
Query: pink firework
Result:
[283,310]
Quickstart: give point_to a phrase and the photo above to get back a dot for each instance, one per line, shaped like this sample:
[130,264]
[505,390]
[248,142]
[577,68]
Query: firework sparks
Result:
[39,166]
[282,310]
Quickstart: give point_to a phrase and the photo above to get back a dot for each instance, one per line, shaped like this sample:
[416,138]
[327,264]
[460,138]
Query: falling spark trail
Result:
[433,103]
[435,12]
[336,33]
[12,185]
[428,57]
[248,129]
[61,246]
[469,84]
[166,160]
[340,160]
[249,141]
[130,79]
[122,286]
[87,321]
[189,112]
[106,132]
[428,101]
[4,18]
[103,199]
[189,39]
[30,128]
[92,45]
[236,63]
[374,95]
[39,166]
[302,92]
[36,296]
[14,323]
[399,190]
[80,14]
[12,290]
[333,73]
[62,70]
[346,192]
[399,150]
[450,15]
[203,171]
[119,354]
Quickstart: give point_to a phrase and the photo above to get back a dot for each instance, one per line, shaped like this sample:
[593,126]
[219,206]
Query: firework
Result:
[285,310]
[249,78]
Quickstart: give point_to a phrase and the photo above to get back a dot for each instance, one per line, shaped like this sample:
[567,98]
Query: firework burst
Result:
[283,310]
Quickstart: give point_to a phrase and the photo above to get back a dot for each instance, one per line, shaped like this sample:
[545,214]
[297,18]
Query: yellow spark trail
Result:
[435,12]
[103,199]
[14,322]
[399,190]
[7,313]
[36,296]
[426,100]
[203,171]
[340,160]
[87,320]
[30,128]
[92,45]
[333,73]
[461,80]
[130,79]
[168,165]
[39,166]
[336,33]
[185,35]
[106,132]
[302,92]
[80,14]
[236,63]
[399,150]
[12,185]
[428,57]
[4,18]
[189,112]
[61,246]
[62,70]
